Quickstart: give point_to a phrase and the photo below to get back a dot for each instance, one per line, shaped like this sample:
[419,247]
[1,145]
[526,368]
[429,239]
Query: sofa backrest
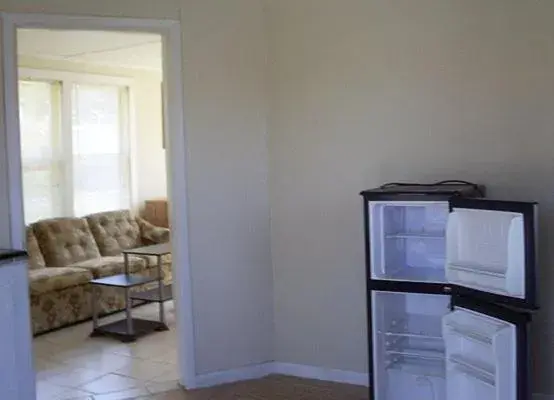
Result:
[64,241]
[35,259]
[114,231]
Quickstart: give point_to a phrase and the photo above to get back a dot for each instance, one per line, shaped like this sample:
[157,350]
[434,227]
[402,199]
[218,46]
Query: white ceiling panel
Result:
[145,56]
[117,49]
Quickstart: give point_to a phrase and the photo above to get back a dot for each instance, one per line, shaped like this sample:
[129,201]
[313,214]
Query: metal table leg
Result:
[160,290]
[126,263]
[129,318]
[94,309]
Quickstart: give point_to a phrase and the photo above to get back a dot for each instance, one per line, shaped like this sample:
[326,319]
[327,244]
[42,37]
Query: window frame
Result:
[66,80]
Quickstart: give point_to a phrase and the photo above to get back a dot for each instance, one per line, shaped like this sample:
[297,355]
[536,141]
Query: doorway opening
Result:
[98,127]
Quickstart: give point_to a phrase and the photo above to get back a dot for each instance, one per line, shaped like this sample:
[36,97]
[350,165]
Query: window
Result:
[40,156]
[74,148]
[100,153]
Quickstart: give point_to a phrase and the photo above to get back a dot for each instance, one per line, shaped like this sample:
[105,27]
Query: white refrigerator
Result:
[451,288]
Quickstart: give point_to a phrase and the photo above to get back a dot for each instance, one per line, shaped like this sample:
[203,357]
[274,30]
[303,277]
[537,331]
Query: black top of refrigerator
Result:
[411,191]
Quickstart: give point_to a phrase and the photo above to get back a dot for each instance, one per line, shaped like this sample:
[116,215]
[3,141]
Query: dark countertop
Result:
[8,254]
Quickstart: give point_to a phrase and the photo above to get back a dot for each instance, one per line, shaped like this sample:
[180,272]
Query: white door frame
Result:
[176,148]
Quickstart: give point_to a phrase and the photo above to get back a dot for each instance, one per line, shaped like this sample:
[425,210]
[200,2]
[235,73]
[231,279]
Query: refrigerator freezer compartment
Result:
[407,240]
[485,250]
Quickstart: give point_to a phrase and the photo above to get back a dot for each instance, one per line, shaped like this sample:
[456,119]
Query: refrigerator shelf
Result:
[469,321]
[475,371]
[410,335]
[468,333]
[415,325]
[416,273]
[423,354]
[468,373]
[431,368]
[478,269]
[416,235]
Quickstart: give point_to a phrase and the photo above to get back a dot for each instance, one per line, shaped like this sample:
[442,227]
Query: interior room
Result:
[289,109]
[93,167]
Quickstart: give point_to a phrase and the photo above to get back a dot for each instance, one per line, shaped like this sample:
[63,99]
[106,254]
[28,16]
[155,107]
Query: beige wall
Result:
[224,86]
[225,105]
[370,91]
[149,155]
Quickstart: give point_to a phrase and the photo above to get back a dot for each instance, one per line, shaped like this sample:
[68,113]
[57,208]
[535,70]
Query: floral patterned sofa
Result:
[66,253]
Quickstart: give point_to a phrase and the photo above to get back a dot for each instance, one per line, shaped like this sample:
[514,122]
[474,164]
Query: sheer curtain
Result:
[41,156]
[100,155]
[75,153]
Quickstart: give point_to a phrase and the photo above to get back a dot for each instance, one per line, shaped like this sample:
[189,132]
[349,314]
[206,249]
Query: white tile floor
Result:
[71,365]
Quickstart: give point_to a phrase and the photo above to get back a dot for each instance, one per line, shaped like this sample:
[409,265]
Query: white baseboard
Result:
[322,374]
[301,371]
[233,375]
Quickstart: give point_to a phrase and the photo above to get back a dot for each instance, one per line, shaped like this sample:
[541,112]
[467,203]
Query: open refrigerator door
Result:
[484,352]
[490,250]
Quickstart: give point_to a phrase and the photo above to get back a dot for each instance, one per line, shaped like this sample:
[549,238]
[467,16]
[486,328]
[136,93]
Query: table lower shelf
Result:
[153,296]
[118,329]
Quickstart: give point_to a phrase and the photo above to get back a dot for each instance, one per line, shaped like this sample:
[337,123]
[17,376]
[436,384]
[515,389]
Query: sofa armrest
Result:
[152,234]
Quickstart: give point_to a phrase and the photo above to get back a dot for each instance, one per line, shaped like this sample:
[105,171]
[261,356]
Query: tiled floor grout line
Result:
[92,356]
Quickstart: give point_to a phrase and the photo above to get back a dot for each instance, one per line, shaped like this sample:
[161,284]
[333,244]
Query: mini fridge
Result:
[451,289]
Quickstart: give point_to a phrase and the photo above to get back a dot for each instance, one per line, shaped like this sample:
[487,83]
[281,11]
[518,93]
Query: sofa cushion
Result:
[46,280]
[113,265]
[65,241]
[36,260]
[115,231]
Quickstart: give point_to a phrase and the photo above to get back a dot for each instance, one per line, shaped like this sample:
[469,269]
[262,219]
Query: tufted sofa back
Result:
[65,241]
[115,231]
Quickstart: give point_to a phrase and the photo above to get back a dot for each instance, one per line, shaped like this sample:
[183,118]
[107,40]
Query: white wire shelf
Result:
[412,335]
[417,367]
[417,353]
[416,235]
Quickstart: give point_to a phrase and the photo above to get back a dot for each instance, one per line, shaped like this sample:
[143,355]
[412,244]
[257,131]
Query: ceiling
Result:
[114,49]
